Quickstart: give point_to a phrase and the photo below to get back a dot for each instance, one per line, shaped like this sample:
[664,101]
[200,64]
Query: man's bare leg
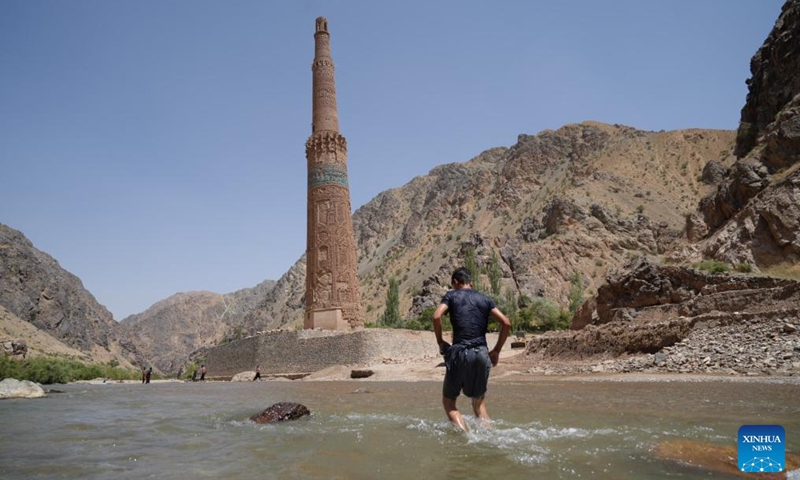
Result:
[479,407]
[453,414]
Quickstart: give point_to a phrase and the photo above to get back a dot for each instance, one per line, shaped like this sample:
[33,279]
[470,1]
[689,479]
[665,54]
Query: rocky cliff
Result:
[768,140]
[34,288]
[753,216]
[684,320]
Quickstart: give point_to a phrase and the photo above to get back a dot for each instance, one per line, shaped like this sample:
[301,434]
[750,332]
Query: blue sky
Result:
[157,147]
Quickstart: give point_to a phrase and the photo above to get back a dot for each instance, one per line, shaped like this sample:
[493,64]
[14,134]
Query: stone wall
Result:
[305,351]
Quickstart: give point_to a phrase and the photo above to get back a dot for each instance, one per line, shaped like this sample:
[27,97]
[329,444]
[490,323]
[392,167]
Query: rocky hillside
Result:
[584,198]
[37,343]
[34,288]
[686,321]
[657,318]
[170,330]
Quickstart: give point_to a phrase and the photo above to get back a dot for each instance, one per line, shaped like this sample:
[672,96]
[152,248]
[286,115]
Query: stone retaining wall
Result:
[282,352]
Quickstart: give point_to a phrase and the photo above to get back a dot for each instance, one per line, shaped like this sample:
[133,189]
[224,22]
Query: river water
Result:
[544,428]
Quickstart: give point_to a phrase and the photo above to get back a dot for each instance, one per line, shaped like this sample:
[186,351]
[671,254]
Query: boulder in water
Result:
[13,388]
[720,459]
[281,412]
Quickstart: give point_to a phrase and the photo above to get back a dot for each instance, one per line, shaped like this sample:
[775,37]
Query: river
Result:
[544,428]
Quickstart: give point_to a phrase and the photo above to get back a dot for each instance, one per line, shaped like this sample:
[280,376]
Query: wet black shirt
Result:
[469,315]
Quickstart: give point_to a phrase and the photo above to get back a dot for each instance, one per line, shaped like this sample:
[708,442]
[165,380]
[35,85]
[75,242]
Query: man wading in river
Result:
[468,360]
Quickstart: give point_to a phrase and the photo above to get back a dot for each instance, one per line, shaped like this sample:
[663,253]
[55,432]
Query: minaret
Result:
[333,301]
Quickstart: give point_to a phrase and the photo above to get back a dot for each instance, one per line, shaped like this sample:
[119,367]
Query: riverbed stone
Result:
[716,459]
[281,412]
[244,376]
[13,388]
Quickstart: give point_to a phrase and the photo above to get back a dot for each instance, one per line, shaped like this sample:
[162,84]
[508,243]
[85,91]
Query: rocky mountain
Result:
[582,199]
[34,288]
[686,321]
[171,330]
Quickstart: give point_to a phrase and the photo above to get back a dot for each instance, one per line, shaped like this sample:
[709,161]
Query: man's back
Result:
[469,314]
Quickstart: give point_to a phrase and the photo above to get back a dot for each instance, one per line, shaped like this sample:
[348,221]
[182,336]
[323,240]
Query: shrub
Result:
[743,268]
[47,370]
[712,266]
[544,315]
[415,324]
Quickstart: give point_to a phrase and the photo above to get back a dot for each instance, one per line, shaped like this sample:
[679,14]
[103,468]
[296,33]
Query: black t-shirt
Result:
[469,315]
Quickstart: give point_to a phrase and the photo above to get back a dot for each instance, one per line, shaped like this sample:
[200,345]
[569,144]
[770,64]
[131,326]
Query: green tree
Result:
[391,315]
[472,265]
[575,295]
[511,309]
[494,274]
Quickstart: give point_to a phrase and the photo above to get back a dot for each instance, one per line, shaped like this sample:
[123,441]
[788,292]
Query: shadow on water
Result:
[544,429]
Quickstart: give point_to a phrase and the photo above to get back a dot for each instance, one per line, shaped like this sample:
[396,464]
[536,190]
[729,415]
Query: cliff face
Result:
[35,288]
[754,215]
[774,83]
[171,330]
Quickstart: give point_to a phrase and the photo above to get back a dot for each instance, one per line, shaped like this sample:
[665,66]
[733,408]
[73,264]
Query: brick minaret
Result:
[333,301]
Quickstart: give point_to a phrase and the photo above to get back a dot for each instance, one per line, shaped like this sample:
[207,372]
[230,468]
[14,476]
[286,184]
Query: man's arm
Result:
[505,328]
[437,325]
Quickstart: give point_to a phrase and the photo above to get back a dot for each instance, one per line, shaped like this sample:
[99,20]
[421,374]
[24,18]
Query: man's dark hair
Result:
[463,275]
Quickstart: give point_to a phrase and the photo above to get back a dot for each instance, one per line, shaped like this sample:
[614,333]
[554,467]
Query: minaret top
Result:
[322,24]
[325,114]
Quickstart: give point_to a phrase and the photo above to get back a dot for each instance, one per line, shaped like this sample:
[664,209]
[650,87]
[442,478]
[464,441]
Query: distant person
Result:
[194,376]
[468,361]
[149,374]
[202,373]
[144,375]
[258,373]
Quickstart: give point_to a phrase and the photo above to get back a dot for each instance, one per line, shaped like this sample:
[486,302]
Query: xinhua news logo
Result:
[762,448]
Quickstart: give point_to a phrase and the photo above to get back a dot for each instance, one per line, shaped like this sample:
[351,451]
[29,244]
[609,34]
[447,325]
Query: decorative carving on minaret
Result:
[333,300]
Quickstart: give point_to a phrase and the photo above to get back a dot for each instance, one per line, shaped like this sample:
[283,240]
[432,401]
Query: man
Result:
[258,373]
[468,360]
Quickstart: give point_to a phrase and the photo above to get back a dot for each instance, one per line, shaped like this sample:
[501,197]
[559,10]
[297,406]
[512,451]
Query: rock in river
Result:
[281,412]
[13,388]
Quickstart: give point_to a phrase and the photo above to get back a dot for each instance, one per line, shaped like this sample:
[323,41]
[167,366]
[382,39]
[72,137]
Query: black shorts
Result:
[468,371]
